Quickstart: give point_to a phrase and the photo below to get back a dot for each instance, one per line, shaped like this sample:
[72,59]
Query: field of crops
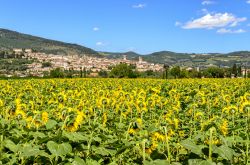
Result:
[118,122]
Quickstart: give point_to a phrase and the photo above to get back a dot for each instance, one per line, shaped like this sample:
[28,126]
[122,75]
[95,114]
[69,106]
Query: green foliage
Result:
[57,73]
[239,69]
[234,70]
[194,74]
[14,64]
[184,74]
[213,72]
[190,145]
[50,124]
[59,149]
[149,74]
[157,162]
[46,64]
[103,74]
[123,71]
[119,121]
[175,71]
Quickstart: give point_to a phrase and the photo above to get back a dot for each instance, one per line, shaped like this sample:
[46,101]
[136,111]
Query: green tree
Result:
[57,73]
[175,71]
[194,74]
[69,73]
[239,73]
[166,67]
[123,71]
[184,74]
[46,64]
[213,72]
[103,74]
[227,72]
[84,72]
[149,73]
[46,74]
[234,70]
[81,73]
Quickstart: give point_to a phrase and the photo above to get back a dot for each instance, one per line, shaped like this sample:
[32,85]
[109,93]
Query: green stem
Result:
[210,144]
[121,118]
[247,160]
[143,150]
[56,160]
[247,144]
[167,143]
[1,144]
[128,130]
[233,130]
[89,144]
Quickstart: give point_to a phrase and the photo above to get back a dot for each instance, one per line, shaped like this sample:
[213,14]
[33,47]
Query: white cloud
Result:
[177,23]
[96,28]
[100,44]
[239,31]
[230,31]
[207,2]
[139,6]
[248,1]
[215,20]
[204,11]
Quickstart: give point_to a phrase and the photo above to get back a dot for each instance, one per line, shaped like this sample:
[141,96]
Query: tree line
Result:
[128,71]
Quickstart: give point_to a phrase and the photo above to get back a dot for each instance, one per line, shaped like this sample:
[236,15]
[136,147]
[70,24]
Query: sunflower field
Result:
[125,121]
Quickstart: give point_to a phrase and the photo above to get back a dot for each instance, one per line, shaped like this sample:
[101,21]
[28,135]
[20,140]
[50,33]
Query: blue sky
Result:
[144,26]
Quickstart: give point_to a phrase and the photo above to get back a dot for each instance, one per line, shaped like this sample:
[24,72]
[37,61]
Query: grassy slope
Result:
[11,39]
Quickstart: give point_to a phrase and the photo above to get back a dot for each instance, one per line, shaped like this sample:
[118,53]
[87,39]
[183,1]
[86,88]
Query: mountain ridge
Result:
[11,39]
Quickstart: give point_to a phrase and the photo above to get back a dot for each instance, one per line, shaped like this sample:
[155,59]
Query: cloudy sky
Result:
[144,26]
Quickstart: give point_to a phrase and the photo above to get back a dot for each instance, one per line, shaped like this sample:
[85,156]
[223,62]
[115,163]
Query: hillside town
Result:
[32,63]
[77,63]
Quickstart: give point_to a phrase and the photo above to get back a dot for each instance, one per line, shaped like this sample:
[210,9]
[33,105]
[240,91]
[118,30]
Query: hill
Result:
[188,59]
[11,39]
[130,55]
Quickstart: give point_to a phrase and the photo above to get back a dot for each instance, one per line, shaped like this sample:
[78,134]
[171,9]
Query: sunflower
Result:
[132,131]
[227,98]
[1,103]
[181,133]
[154,145]
[77,122]
[29,121]
[215,141]
[224,127]
[247,96]
[171,133]
[157,136]
[176,123]
[104,119]
[198,115]
[232,109]
[244,107]
[45,117]
[139,122]
[148,150]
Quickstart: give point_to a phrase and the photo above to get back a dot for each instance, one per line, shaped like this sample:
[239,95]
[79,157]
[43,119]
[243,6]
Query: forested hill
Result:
[187,59]
[11,39]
